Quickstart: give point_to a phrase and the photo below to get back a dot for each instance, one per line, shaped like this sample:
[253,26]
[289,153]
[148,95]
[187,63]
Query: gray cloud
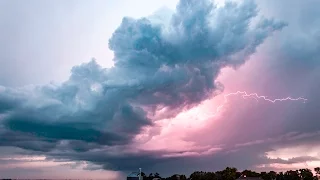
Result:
[157,65]
[288,66]
[294,64]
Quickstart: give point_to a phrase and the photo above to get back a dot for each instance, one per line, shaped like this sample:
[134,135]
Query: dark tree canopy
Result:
[231,173]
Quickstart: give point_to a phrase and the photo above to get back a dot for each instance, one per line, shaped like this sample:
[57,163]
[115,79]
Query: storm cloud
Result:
[284,134]
[163,65]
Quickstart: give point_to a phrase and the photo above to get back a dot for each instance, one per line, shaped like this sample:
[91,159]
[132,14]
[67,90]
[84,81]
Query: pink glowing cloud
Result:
[174,134]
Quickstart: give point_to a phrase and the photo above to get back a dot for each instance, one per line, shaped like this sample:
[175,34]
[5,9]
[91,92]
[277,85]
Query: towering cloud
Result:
[161,68]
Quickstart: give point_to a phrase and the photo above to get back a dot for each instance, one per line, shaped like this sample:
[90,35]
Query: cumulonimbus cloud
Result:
[170,64]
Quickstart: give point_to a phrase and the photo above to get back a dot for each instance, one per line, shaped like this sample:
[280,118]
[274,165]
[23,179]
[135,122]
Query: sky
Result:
[96,89]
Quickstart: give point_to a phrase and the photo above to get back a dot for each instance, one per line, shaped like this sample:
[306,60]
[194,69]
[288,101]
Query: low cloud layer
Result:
[164,65]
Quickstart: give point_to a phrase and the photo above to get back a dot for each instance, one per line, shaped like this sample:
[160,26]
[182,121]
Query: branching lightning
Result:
[257,97]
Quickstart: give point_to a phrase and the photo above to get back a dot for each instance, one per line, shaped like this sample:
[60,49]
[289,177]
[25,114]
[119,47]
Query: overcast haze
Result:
[174,86]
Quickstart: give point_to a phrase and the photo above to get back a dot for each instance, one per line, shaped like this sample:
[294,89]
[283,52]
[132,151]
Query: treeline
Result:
[232,174]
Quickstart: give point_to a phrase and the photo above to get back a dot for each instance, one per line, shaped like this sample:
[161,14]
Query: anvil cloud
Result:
[164,65]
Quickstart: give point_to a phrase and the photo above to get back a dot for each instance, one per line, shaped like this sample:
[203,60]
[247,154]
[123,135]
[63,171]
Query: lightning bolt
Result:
[257,97]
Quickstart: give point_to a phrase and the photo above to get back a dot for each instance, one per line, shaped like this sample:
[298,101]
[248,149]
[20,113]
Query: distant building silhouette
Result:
[134,176]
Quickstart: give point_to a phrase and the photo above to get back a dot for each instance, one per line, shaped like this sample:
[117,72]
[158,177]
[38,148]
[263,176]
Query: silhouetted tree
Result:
[174,177]
[183,177]
[197,175]
[280,176]
[317,170]
[229,173]
[265,176]
[292,175]
[306,174]
[200,175]
[157,175]
[272,174]
[210,176]
[250,173]
[150,177]
[238,174]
